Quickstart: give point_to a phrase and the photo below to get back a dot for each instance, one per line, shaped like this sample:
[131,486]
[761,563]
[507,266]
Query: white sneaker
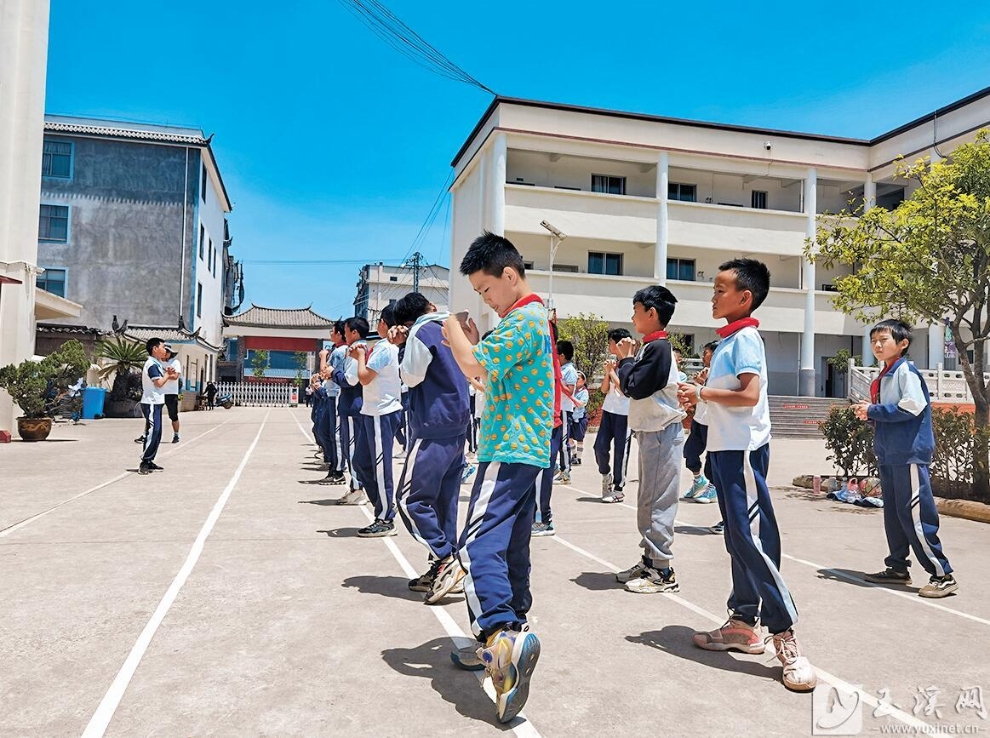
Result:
[353,497]
[799,674]
[606,484]
[448,575]
[633,572]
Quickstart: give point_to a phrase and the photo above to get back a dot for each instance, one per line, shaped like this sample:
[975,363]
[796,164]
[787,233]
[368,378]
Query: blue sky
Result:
[333,146]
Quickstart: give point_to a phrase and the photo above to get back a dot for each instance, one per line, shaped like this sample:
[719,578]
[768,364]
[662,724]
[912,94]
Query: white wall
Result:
[211,214]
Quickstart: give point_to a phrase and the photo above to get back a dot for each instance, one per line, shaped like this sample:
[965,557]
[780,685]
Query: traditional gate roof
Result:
[265,317]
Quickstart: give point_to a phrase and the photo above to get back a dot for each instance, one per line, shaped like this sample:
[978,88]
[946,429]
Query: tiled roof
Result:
[126,130]
[71,329]
[264,317]
[171,335]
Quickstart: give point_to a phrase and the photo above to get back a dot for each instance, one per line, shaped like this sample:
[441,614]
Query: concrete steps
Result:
[798,417]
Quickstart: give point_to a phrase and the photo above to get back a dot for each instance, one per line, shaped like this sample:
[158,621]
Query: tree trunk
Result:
[981,449]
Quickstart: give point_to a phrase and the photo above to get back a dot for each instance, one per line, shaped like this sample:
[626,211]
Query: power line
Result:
[320,261]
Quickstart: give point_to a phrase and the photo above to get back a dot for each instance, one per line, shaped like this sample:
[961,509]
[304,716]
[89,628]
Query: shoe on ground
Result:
[144,469]
[543,529]
[469,471]
[175,438]
[606,484]
[735,635]
[633,572]
[718,529]
[467,658]
[889,576]
[611,498]
[352,497]
[654,581]
[139,439]
[699,485]
[799,674]
[378,529]
[154,467]
[424,581]
[562,478]
[510,656]
[333,478]
[449,574]
[709,495]
[939,587]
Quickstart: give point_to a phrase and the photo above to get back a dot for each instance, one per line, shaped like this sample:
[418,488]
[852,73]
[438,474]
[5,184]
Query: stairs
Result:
[798,417]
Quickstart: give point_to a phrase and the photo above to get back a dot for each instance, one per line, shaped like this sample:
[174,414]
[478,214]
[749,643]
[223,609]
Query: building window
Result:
[681,269]
[608,184]
[52,280]
[759,199]
[56,159]
[393,279]
[682,192]
[199,300]
[202,239]
[204,183]
[53,223]
[601,263]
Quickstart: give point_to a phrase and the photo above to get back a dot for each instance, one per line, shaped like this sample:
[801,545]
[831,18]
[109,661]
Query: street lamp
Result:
[556,236]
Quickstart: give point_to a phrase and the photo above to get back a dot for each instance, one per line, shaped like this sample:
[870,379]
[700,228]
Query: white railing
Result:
[257,393]
[943,386]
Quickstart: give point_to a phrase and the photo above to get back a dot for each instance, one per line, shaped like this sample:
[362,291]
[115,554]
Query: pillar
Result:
[660,253]
[869,200]
[936,346]
[807,376]
[497,184]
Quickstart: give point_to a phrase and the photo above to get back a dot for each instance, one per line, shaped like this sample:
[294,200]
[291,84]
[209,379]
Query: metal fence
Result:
[943,386]
[258,393]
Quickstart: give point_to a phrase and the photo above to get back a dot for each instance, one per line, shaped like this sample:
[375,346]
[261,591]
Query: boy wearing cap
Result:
[174,368]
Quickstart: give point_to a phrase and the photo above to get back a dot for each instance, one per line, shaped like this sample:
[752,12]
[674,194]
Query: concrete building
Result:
[380,285]
[132,225]
[284,333]
[645,200]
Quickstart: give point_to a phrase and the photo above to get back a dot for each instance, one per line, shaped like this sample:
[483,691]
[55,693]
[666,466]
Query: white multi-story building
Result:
[650,200]
[380,285]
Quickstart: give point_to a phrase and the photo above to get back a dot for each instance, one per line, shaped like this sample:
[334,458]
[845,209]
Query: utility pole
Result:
[416,260]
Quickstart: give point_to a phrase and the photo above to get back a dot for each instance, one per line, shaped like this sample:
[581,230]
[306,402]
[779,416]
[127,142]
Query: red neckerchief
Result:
[655,336]
[523,301]
[875,384]
[737,325]
[558,377]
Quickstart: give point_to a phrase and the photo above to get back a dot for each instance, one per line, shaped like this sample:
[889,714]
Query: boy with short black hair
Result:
[739,454]
[568,385]
[701,489]
[154,377]
[613,437]
[514,445]
[900,412]
[579,419]
[649,379]
[349,402]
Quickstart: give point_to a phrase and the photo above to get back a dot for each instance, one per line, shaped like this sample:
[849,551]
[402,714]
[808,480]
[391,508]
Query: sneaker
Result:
[449,574]
[352,497]
[510,657]
[606,484]
[939,587]
[889,576]
[735,635]
[467,658]
[633,572]
[424,582]
[175,438]
[718,529]
[378,529]
[654,581]
[543,529]
[333,478]
[469,471]
[139,439]
[799,674]
[609,499]
[563,478]
[709,495]
[154,467]
[699,485]
[144,469]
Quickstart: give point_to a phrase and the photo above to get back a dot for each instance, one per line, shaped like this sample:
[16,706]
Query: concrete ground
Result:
[226,596]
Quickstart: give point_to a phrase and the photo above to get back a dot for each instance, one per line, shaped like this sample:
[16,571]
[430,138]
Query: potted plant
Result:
[33,385]
[125,391]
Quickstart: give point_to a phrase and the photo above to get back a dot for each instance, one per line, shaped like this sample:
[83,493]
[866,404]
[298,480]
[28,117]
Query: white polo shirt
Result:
[383,395]
[738,428]
[171,387]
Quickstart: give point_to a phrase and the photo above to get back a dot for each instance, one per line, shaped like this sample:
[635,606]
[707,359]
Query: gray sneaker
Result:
[633,572]
[939,587]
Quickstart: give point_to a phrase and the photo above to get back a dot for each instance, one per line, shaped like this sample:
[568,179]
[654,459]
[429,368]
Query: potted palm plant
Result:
[125,357]
[33,384]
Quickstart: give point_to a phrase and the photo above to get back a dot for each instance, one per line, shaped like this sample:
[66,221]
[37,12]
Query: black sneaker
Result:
[334,478]
[424,582]
[889,576]
[139,439]
[939,587]
[378,529]
[144,469]
[154,467]
[175,438]
[718,529]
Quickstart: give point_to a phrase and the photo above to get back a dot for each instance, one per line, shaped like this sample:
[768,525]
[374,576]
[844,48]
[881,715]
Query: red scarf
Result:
[655,336]
[875,384]
[737,325]
[523,301]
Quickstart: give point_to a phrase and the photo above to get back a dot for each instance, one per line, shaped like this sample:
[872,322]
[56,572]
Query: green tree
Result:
[29,382]
[589,334]
[299,359]
[259,363]
[124,356]
[926,260]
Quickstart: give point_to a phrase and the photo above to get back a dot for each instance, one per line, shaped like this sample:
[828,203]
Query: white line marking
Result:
[521,725]
[111,700]
[17,526]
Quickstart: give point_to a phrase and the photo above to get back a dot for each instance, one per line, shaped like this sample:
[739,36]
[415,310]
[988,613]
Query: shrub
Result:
[850,442]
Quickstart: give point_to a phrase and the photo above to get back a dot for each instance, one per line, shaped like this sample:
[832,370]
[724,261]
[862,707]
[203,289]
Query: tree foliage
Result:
[259,363]
[29,382]
[589,334]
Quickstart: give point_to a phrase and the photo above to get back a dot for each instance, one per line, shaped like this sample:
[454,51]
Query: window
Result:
[759,199]
[209,254]
[202,239]
[52,280]
[204,183]
[601,263]
[608,184]
[682,192]
[53,223]
[393,279]
[681,269]
[528,265]
[56,159]
[199,300]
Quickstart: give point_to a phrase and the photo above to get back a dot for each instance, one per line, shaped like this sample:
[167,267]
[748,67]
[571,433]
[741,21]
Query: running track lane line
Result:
[912,598]
[521,725]
[111,700]
[17,526]
[919,726]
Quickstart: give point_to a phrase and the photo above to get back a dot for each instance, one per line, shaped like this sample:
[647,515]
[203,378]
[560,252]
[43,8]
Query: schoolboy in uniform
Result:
[650,381]
[153,379]
[568,379]
[174,365]
[579,420]
[739,453]
[900,412]
[613,437]
[349,403]
[334,450]
[514,445]
[701,489]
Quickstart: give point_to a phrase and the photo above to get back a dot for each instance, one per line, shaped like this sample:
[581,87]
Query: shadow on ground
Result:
[856,579]
[693,530]
[597,581]
[676,640]
[327,502]
[395,587]
[460,688]
[341,532]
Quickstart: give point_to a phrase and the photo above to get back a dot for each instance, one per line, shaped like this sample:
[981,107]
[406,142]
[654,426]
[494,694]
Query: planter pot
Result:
[34,429]
[120,408]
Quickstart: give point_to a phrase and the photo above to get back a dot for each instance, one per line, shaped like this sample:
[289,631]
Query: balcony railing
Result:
[943,386]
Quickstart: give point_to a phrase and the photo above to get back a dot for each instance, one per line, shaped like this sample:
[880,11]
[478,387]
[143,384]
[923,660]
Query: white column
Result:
[936,346]
[497,184]
[660,254]
[807,382]
[23,62]
[869,200]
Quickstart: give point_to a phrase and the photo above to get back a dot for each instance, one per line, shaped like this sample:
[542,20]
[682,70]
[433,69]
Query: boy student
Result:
[568,377]
[739,454]
[350,401]
[613,432]
[701,489]
[514,445]
[334,450]
[649,379]
[579,419]
[377,369]
[172,390]
[153,380]
[437,423]
[543,519]
[900,412]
